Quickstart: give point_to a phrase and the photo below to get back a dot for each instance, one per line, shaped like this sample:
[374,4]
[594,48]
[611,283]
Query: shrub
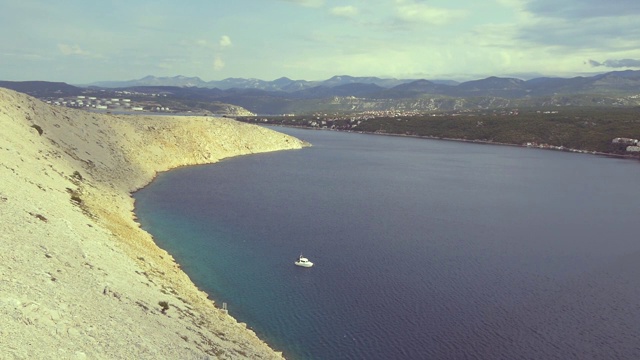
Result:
[164,306]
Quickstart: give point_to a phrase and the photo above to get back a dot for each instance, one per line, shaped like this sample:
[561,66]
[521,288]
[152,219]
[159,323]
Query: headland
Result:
[80,278]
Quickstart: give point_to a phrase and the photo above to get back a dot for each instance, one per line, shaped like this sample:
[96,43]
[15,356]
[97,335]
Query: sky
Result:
[80,42]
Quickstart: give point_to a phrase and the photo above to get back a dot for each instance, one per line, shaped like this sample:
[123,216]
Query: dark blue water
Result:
[424,249]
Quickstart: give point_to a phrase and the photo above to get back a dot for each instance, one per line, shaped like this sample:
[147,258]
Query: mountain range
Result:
[345,85]
[281,84]
[353,94]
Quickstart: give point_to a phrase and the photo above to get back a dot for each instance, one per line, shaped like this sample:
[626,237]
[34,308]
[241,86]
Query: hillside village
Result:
[630,145]
[109,103]
[133,102]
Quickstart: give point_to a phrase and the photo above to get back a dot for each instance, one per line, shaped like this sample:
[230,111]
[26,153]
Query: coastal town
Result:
[135,102]
[121,101]
[522,127]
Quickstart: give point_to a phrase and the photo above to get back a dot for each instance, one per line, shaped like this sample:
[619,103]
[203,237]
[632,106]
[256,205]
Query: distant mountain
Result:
[231,83]
[42,88]
[445,82]
[492,86]
[348,93]
[346,79]
[413,89]
[182,81]
[280,84]
[624,81]
[621,80]
[492,83]
[348,89]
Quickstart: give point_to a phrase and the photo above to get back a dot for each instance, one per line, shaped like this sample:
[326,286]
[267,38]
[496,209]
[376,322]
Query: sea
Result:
[422,248]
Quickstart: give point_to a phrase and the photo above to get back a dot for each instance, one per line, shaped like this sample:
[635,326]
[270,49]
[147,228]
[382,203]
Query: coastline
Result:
[482,142]
[80,278]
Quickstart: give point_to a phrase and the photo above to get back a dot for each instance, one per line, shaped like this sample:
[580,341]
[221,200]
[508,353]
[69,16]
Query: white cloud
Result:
[307,3]
[599,34]
[218,63]
[26,56]
[202,43]
[344,11]
[617,63]
[418,12]
[67,49]
[516,4]
[225,41]
[580,9]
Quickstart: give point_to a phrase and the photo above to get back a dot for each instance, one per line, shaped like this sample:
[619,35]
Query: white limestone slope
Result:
[79,278]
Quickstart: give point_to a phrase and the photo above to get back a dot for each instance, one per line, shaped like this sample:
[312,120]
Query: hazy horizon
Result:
[459,79]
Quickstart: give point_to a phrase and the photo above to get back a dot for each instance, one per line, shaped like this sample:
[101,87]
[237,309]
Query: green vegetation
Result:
[582,128]
[164,306]
[577,129]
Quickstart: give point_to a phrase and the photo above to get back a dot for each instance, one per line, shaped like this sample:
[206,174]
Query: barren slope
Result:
[79,278]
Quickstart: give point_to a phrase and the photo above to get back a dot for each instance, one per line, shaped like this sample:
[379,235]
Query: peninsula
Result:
[79,278]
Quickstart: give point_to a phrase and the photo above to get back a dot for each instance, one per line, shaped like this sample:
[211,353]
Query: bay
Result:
[423,249]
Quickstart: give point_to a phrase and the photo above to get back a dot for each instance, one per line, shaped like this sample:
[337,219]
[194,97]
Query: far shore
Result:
[482,142]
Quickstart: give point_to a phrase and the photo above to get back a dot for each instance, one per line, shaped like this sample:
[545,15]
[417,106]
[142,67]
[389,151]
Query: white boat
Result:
[303,261]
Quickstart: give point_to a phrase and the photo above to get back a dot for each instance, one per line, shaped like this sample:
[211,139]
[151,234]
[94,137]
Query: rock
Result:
[97,305]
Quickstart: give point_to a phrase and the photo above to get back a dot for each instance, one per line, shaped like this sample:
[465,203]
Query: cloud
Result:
[580,9]
[616,63]
[307,3]
[225,41]
[568,27]
[345,11]
[202,43]
[593,34]
[25,56]
[412,11]
[67,50]
[218,63]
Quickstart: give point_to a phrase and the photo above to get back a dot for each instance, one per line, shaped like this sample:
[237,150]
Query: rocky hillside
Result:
[80,279]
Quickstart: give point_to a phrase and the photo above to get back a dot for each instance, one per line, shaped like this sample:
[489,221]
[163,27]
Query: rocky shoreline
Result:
[80,279]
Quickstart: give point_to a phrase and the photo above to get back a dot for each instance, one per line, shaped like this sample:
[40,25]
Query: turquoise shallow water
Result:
[423,248]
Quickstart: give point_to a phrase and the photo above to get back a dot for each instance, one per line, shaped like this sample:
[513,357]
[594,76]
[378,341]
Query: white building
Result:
[626,141]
